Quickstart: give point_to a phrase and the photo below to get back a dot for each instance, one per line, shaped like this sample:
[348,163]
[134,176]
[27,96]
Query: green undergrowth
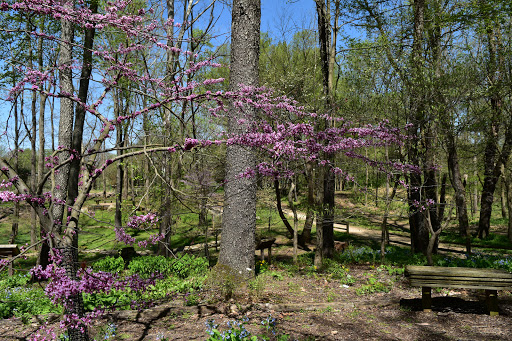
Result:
[19,298]
[177,277]
[493,240]
[180,278]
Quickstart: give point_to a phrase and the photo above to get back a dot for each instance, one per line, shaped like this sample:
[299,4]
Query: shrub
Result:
[361,254]
[109,264]
[223,280]
[188,265]
[148,265]
[257,285]
[14,281]
[183,266]
[372,285]
[338,272]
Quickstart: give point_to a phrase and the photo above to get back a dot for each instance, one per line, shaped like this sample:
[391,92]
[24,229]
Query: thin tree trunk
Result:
[418,226]
[508,190]
[78,129]
[493,158]
[325,225]
[289,228]
[33,138]
[384,240]
[165,227]
[503,198]
[295,221]
[305,237]
[457,184]
[474,208]
[120,143]
[16,215]
[366,181]
[67,245]
[42,138]
[376,179]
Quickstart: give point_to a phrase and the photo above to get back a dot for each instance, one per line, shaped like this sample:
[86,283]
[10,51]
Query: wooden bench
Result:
[9,251]
[265,244]
[490,280]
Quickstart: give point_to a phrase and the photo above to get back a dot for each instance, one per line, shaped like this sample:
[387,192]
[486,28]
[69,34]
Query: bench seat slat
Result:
[454,284]
[507,281]
[411,270]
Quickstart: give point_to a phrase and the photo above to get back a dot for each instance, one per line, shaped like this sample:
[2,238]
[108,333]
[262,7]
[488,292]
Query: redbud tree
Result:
[283,133]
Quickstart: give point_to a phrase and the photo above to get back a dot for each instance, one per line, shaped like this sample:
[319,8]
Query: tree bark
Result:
[83,90]
[418,226]
[305,237]
[508,190]
[280,208]
[239,215]
[33,138]
[325,225]
[120,143]
[493,157]
[295,221]
[15,221]
[66,120]
[384,240]
[67,245]
[42,108]
[504,213]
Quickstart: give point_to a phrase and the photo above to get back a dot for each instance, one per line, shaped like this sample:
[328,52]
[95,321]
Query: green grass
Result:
[493,240]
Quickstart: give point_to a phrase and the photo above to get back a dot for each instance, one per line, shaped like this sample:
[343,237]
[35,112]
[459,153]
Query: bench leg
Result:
[269,255]
[426,299]
[491,300]
[262,255]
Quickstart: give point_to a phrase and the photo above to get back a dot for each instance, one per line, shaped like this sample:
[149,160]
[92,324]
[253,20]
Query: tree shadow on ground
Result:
[446,304]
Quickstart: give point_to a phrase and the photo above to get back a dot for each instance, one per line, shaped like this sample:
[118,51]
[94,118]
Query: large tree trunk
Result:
[239,215]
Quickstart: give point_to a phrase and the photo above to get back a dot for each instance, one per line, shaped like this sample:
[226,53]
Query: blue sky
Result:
[279,18]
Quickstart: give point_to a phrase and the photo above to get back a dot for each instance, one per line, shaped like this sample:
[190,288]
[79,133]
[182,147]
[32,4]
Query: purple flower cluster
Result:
[60,288]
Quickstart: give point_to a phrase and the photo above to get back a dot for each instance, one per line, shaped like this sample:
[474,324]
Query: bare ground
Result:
[314,307]
[311,307]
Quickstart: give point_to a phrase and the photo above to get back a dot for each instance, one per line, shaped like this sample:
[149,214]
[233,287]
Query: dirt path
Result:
[375,235]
